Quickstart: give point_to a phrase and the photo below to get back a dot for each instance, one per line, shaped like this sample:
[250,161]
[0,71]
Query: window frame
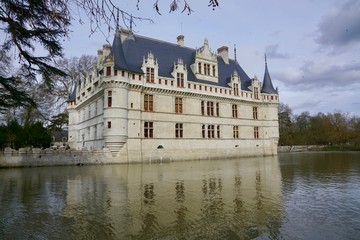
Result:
[236,132]
[109,99]
[255,113]
[256,132]
[179,130]
[178,105]
[148,129]
[150,75]
[234,110]
[180,80]
[148,102]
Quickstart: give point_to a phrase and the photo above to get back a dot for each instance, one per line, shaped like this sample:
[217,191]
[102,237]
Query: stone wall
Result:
[35,157]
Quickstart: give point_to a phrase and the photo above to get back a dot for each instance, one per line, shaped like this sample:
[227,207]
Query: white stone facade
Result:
[144,116]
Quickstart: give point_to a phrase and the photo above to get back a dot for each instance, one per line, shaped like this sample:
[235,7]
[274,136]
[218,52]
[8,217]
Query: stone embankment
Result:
[303,148]
[35,157]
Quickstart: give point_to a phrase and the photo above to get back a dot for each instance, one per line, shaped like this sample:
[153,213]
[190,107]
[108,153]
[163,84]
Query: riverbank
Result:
[309,148]
[300,148]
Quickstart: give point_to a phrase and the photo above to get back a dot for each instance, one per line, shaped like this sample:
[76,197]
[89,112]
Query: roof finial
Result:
[131,22]
[265,59]
[235,52]
[117,20]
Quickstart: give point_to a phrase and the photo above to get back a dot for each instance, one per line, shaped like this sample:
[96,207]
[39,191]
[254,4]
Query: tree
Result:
[37,136]
[285,125]
[31,25]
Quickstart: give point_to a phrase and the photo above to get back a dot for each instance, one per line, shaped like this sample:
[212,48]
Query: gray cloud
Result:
[341,27]
[321,76]
[272,52]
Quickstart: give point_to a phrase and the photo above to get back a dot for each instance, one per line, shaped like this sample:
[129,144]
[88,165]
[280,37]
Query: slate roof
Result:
[267,86]
[129,55]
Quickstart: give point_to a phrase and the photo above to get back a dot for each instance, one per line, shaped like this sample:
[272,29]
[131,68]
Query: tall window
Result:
[255,112]
[217,109]
[202,108]
[236,89]
[203,131]
[150,75]
[256,132]
[178,105]
[210,108]
[211,131]
[108,71]
[206,69]
[218,131]
[234,111]
[148,129]
[256,93]
[236,132]
[199,67]
[180,80]
[109,98]
[214,71]
[178,130]
[148,102]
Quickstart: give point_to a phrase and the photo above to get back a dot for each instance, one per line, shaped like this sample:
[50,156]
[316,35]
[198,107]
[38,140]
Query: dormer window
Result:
[235,83]
[199,68]
[256,93]
[180,80]
[150,78]
[180,73]
[108,71]
[207,69]
[150,68]
[236,89]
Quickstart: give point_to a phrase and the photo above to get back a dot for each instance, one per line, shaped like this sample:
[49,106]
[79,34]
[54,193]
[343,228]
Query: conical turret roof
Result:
[267,86]
[117,52]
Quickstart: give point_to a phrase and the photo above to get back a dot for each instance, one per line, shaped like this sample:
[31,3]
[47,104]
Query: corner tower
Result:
[115,97]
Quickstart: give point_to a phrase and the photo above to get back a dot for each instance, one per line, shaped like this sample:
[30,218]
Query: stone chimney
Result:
[106,49]
[180,40]
[224,53]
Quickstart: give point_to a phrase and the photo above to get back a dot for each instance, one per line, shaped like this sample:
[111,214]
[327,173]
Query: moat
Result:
[290,196]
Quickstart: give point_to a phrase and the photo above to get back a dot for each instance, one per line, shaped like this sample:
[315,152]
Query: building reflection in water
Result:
[227,199]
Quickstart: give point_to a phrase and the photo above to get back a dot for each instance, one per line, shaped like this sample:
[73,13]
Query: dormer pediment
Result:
[205,53]
[179,67]
[150,60]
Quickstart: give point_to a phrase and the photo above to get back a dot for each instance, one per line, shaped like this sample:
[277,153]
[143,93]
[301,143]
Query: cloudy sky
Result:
[313,46]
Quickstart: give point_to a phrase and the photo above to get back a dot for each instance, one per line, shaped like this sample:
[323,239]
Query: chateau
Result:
[153,100]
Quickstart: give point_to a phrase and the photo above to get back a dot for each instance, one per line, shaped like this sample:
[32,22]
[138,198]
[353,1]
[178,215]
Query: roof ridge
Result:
[163,41]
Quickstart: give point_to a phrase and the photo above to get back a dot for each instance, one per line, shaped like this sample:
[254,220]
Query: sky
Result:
[312,46]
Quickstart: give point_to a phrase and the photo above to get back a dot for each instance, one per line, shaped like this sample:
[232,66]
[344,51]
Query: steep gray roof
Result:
[267,86]
[129,55]
[118,53]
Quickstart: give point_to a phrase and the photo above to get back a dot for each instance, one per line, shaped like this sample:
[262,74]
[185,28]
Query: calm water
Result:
[292,196]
